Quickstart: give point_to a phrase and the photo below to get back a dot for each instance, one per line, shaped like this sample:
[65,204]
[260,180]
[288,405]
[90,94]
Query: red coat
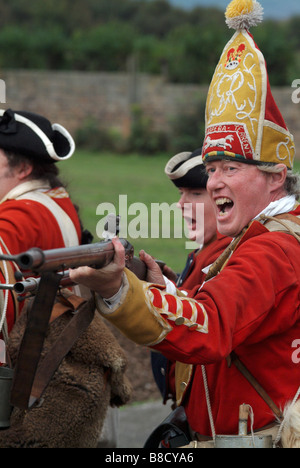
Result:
[202,259]
[25,224]
[194,277]
[252,306]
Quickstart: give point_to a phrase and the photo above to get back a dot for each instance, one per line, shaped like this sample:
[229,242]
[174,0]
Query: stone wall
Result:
[71,97]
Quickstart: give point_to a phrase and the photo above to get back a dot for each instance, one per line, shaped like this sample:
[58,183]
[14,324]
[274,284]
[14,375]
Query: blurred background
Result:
[128,79]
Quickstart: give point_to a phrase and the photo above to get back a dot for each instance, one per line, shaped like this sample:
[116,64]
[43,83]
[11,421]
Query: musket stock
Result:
[53,268]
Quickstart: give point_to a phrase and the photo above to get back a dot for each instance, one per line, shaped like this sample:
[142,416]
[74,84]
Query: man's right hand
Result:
[108,280]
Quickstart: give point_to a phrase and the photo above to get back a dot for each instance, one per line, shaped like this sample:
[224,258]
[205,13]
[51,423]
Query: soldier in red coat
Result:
[235,338]
[187,172]
[35,208]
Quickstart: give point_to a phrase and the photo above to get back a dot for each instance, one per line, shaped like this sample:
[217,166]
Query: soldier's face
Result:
[198,212]
[240,192]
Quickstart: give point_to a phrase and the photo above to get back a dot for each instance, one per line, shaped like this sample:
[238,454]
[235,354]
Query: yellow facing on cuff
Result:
[135,317]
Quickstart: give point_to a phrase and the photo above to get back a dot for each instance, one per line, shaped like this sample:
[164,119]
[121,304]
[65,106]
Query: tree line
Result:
[108,35]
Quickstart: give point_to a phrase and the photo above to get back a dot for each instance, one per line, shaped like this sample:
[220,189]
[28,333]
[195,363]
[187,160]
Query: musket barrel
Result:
[96,255]
[30,285]
[31,259]
[61,260]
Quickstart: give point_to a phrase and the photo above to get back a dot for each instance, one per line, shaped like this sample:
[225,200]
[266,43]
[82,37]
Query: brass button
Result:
[183,386]
[180,321]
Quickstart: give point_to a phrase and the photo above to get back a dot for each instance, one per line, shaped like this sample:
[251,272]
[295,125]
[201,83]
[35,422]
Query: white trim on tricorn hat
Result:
[182,169]
[48,144]
[59,128]
[186,169]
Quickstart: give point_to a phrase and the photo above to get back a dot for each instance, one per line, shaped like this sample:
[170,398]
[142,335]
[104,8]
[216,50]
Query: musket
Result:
[52,266]
[31,284]
[52,270]
[96,255]
[61,260]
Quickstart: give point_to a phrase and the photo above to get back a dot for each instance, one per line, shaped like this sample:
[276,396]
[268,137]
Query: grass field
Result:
[94,179]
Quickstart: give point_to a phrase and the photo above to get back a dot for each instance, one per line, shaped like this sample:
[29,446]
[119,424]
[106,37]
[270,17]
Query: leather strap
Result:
[251,379]
[221,261]
[289,217]
[82,316]
[283,223]
[33,339]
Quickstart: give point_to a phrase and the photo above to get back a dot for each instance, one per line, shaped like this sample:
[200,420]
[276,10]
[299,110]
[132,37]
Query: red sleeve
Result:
[254,297]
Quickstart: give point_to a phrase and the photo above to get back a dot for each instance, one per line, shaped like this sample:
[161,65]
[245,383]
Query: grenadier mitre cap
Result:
[243,121]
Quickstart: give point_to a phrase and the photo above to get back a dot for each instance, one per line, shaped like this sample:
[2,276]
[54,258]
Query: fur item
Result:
[74,405]
[290,435]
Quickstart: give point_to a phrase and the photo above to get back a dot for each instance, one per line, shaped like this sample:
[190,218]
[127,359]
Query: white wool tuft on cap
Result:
[244,14]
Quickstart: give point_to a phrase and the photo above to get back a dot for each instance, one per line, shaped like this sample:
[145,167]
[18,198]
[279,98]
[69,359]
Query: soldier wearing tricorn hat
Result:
[35,208]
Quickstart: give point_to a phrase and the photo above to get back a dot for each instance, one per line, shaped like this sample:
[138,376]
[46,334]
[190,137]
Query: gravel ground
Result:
[145,411]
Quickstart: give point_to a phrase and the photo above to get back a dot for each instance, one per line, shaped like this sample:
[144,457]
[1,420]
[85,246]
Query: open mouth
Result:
[224,205]
[191,223]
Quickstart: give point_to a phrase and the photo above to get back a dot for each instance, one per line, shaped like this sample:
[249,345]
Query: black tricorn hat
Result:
[187,170]
[34,136]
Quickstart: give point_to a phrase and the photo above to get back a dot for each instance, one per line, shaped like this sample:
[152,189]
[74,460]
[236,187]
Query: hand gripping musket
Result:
[51,267]
[96,255]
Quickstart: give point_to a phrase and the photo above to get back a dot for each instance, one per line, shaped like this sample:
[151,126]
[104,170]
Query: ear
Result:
[277,179]
[24,170]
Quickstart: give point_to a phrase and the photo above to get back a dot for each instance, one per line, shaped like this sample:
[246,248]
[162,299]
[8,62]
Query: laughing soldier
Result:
[247,313]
